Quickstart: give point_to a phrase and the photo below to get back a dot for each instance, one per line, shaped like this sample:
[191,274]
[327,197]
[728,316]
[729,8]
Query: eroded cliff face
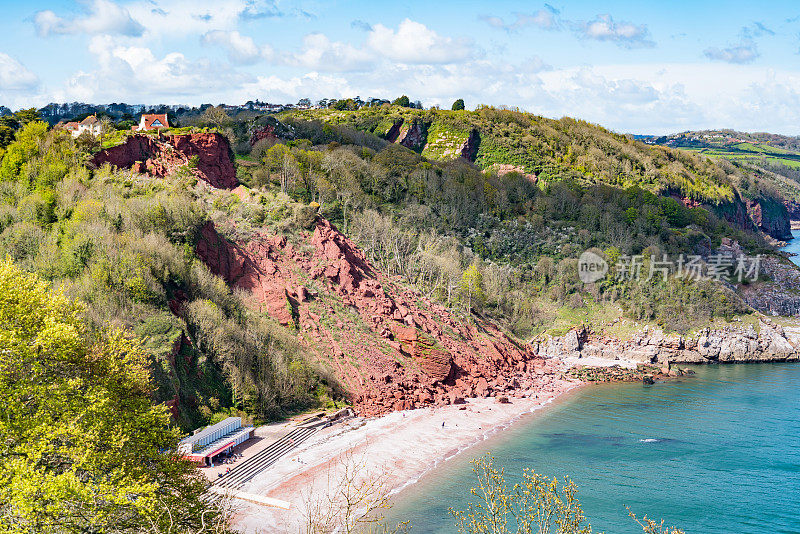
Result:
[413,135]
[771,216]
[469,150]
[778,295]
[793,209]
[207,155]
[394,131]
[390,347]
[763,213]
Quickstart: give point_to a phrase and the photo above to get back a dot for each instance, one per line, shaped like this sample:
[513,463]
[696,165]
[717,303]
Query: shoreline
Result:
[488,439]
[400,449]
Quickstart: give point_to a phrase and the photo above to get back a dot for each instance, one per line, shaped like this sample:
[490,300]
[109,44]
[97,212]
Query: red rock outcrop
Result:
[252,268]
[771,216]
[414,135]
[390,347]
[207,155]
[394,131]
[469,150]
[267,132]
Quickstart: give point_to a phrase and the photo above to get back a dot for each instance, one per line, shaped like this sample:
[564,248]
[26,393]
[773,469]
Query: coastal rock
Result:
[469,150]
[728,344]
[771,216]
[777,296]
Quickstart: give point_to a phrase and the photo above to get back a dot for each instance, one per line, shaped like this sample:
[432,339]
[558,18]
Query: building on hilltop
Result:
[90,124]
[151,122]
[72,127]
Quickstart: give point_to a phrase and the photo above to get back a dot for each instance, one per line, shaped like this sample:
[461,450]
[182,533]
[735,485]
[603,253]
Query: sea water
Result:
[794,246]
[717,452]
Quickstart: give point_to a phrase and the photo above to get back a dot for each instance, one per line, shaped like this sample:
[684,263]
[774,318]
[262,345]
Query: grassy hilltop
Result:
[549,148]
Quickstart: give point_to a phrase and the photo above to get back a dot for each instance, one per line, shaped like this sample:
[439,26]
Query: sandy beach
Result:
[400,448]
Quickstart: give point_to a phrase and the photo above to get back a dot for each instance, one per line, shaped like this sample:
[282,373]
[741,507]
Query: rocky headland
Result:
[765,341]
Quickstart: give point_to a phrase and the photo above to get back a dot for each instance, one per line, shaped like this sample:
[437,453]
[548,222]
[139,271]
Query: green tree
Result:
[348,104]
[8,125]
[471,288]
[279,160]
[82,447]
[458,104]
[535,505]
[25,116]
[25,146]
[402,101]
[216,117]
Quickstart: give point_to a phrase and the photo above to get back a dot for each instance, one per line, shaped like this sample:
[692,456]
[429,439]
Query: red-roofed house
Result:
[72,127]
[90,124]
[152,122]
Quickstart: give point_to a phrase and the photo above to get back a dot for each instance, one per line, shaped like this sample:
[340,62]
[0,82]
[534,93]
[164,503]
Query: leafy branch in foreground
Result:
[651,527]
[537,504]
[353,501]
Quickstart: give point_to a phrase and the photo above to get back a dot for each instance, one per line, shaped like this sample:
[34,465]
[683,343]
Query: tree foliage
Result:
[125,246]
[471,288]
[83,448]
[215,116]
[402,101]
[537,504]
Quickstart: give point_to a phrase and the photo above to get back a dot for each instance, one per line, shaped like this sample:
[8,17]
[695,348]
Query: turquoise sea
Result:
[794,246]
[718,452]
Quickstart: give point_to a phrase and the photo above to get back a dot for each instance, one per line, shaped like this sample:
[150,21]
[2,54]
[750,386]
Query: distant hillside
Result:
[774,159]
[548,150]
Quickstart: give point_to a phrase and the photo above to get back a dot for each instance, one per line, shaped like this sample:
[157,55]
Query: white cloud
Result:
[189,17]
[743,53]
[14,75]
[415,43]
[322,54]
[625,34]
[313,85]
[545,19]
[136,74]
[240,48]
[103,16]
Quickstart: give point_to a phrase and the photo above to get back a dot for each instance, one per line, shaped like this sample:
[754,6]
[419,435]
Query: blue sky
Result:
[640,67]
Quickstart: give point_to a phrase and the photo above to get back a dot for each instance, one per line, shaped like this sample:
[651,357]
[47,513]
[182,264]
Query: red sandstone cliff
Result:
[207,155]
[390,347]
